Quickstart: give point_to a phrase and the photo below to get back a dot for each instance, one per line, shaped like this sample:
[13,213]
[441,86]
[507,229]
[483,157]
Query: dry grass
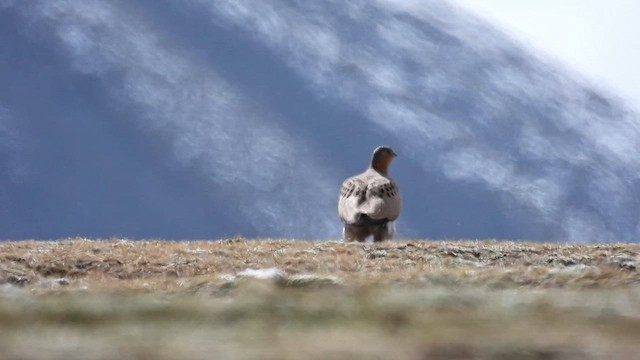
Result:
[164,265]
[102,299]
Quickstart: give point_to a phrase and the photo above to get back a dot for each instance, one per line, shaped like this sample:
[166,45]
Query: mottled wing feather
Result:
[352,195]
[383,200]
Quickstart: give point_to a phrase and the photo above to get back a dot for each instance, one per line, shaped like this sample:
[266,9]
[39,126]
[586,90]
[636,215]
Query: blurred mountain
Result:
[204,119]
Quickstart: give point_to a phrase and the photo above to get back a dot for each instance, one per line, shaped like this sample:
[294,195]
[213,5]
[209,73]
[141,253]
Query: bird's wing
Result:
[383,200]
[352,195]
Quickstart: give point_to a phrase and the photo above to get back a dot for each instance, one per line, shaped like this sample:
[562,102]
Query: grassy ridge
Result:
[286,299]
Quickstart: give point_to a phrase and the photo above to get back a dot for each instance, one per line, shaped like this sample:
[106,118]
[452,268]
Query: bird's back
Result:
[369,196]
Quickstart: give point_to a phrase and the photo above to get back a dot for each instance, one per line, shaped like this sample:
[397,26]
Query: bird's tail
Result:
[366,220]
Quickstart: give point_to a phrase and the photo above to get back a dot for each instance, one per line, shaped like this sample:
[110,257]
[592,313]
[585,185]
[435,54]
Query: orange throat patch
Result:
[382,165]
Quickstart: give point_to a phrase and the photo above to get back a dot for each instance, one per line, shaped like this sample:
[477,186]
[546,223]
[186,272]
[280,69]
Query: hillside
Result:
[478,263]
[287,299]
[200,119]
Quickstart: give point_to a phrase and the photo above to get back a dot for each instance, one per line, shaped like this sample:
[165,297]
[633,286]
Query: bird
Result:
[370,202]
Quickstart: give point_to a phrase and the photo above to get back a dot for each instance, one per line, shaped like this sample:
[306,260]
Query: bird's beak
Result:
[393,153]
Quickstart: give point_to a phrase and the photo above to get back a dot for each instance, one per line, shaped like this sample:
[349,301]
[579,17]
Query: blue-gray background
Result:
[204,119]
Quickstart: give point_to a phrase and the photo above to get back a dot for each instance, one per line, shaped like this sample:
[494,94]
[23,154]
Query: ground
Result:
[287,299]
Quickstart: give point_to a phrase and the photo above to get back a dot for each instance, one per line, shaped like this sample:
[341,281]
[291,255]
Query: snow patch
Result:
[262,274]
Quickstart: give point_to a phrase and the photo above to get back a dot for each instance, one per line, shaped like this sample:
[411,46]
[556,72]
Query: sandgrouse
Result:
[370,202]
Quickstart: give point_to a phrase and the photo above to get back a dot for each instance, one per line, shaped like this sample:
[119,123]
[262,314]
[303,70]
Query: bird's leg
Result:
[382,232]
[355,233]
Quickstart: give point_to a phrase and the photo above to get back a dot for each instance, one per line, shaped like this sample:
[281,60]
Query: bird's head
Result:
[381,158]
